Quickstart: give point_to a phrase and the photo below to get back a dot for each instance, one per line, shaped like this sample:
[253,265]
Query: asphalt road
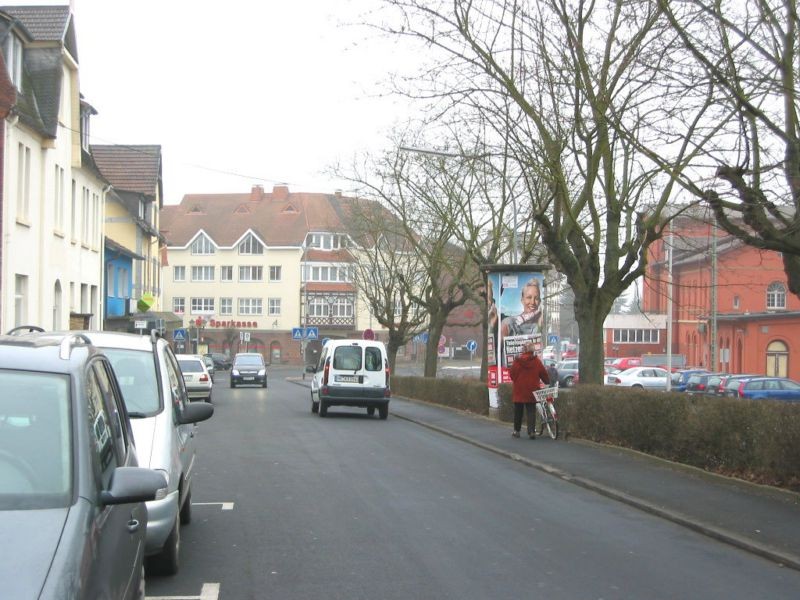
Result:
[289,505]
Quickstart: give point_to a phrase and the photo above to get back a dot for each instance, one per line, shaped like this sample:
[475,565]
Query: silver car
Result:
[164,422]
[199,382]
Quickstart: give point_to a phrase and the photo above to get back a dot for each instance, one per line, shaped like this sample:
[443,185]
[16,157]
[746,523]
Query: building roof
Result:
[44,23]
[130,168]
[280,218]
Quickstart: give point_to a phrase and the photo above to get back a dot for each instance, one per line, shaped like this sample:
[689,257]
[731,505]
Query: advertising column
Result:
[514,298]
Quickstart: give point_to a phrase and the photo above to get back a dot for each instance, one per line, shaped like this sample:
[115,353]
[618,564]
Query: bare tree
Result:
[748,51]
[557,79]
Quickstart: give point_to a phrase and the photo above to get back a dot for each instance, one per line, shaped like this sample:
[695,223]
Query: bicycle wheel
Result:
[551,419]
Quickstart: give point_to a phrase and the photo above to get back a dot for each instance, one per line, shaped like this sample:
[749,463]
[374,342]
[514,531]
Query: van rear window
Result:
[372,359]
[347,358]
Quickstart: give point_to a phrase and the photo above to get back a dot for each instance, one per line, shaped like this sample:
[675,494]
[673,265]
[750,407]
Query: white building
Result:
[53,195]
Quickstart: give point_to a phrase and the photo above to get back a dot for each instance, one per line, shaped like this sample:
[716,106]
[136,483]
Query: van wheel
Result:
[383,411]
[186,510]
[166,561]
[371,411]
[323,408]
[314,405]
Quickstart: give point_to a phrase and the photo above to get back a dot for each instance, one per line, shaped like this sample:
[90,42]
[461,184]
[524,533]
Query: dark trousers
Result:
[529,408]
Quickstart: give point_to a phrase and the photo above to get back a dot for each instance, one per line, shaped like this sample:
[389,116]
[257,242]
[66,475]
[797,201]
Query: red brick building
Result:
[717,280]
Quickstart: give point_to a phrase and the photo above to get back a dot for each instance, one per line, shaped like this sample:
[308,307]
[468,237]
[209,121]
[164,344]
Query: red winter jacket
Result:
[527,373]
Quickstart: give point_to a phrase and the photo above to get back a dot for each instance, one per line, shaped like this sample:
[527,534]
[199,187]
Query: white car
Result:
[650,378]
[195,376]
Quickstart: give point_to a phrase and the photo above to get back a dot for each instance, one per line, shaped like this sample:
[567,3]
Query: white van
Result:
[351,373]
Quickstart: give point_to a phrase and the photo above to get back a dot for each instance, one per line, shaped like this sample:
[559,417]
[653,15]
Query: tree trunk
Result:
[591,313]
[432,347]
[394,343]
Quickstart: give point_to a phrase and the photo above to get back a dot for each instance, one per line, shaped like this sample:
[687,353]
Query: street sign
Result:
[368,334]
[552,339]
[244,336]
[472,345]
[140,324]
[297,333]
[179,335]
[423,337]
[312,333]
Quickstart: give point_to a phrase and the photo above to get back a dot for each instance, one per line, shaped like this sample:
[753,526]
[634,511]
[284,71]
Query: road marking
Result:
[209,591]
[223,505]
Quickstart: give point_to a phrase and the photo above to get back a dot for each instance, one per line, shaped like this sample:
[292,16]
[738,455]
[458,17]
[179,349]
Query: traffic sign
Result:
[244,336]
[140,324]
[297,333]
[179,335]
[552,339]
[472,345]
[423,337]
[368,334]
[312,333]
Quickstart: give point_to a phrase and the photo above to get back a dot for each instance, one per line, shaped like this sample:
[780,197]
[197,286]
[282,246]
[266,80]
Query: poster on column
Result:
[514,298]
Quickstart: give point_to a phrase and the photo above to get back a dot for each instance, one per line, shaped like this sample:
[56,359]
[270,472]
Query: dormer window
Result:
[776,296]
[13,52]
[251,245]
[327,241]
[202,245]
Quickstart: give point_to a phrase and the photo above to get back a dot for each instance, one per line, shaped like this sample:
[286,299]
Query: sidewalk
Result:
[758,519]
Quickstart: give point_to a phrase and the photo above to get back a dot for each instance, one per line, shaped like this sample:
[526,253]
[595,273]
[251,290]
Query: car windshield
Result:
[136,374]
[35,440]
[249,360]
[190,365]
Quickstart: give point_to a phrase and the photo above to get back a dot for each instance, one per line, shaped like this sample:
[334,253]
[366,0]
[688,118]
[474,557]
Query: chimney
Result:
[257,193]
[338,193]
[280,191]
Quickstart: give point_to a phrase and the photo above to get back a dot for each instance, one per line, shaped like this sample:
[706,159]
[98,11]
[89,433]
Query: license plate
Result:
[347,378]
[248,378]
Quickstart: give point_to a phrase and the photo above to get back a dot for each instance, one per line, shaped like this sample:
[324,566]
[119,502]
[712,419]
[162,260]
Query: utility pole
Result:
[669,310]
[713,345]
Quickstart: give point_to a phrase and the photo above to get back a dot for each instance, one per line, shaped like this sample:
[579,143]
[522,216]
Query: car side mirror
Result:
[133,484]
[195,412]
[311,368]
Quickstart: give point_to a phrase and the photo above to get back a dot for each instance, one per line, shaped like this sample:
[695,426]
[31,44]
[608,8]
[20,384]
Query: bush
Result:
[758,440]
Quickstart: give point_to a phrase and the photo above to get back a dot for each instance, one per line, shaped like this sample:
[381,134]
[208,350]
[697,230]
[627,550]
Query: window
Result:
[178,305]
[226,306]
[179,273]
[327,241]
[14,59]
[274,307]
[251,273]
[250,306]
[776,296]
[342,307]
[86,212]
[372,359]
[203,273]
[274,273]
[203,306]
[58,198]
[101,431]
[73,226]
[636,336]
[250,245]
[226,273]
[202,245]
[736,302]
[23,181]
[20,300]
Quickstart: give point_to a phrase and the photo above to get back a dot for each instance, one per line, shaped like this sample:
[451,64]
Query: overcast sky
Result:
[237,93]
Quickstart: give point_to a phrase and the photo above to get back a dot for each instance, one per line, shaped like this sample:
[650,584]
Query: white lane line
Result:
[223,505]
[209,591]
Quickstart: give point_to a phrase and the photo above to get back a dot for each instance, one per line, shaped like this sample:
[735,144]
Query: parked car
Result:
[730,384]
[164,428]
[195,376]
[222,362]
[209,362]
[769,388]
[680,379]
[351,373]
[549,353]
[651,378]
[626,362]
[698,383]
[72,514]
[248,368]
[567,371]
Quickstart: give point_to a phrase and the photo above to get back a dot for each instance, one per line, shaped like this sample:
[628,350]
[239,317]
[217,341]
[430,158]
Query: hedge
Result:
[756,440]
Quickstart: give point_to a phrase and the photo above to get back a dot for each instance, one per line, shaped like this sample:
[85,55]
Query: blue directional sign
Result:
[312,333]
[552,339]
[472,345]
[179,335]
[297,333]
[423,337]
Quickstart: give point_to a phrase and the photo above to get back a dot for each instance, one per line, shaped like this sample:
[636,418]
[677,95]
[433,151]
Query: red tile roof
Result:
[130,168]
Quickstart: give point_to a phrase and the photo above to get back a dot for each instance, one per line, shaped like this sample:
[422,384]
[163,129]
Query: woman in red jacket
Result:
[527,374]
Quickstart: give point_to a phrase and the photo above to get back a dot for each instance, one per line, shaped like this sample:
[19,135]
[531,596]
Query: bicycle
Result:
[546,407]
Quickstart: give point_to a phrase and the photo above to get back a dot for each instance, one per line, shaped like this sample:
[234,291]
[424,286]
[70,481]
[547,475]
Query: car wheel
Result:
[383,411]
[186,510]
[263,385]
[140,592]
[209,399]
[323,408]
[371,410]
[233,385]
[166,561]
[637,386]
[569,381]
[314,405]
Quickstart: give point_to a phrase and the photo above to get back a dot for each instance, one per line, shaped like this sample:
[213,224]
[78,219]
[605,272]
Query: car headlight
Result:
[162,493]
[262,372]
[235,372]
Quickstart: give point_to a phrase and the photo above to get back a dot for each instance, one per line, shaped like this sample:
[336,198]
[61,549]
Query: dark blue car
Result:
[681,378]
[770,388]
